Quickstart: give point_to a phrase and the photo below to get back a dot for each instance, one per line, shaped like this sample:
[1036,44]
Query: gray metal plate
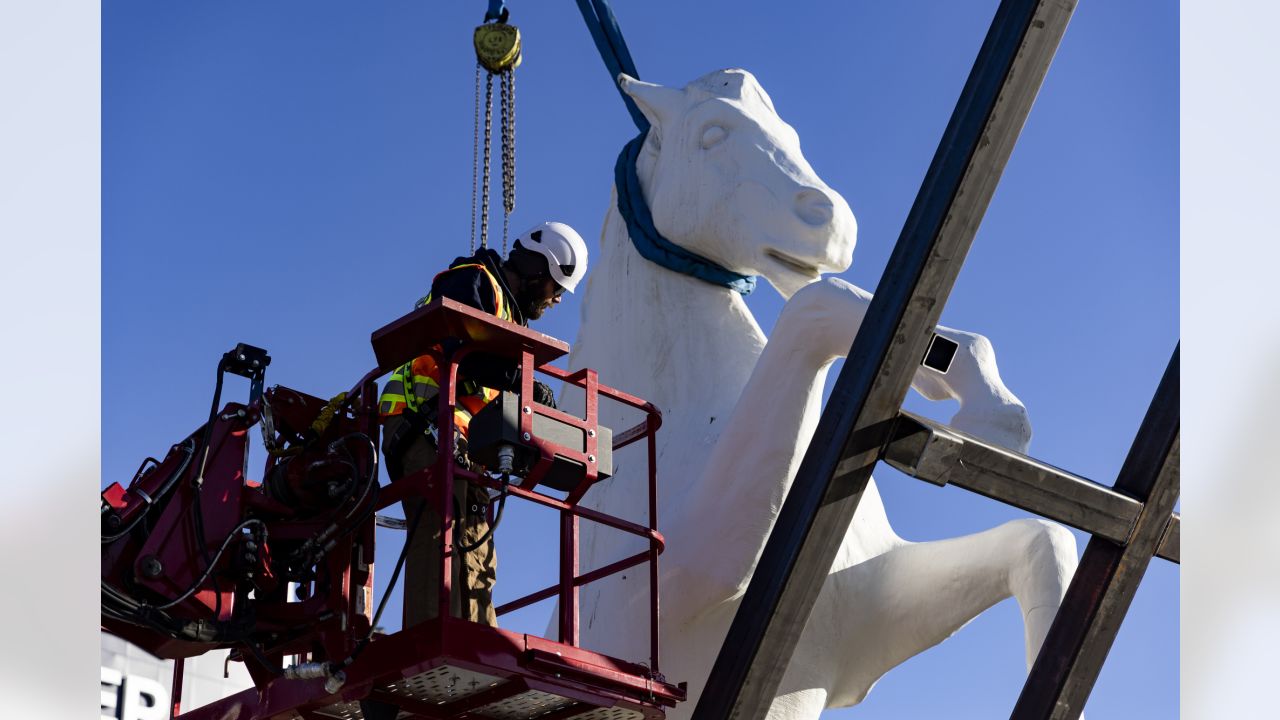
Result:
[528,704]
[439,685]
[610,714]
[445,684]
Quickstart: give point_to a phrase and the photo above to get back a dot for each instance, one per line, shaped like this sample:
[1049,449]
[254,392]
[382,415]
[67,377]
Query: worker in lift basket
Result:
[543,263]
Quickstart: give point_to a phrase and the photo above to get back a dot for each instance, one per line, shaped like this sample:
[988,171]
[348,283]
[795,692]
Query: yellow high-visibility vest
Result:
[418,381]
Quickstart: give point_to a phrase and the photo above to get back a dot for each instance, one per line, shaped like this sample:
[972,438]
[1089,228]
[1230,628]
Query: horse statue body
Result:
[725,178]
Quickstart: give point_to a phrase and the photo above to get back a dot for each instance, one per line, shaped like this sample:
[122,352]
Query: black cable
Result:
[370,481]
[373,474]
[209,570]
[350,484]
[149,620]
[208,426]
[311,551]
[199,485]
[131,612]
[132,618]
[182,469]
[395,577]
[119,596]
[154,619]
[395,574]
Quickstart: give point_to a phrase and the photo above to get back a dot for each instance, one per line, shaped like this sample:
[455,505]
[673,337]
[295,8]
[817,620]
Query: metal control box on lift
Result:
[498,424]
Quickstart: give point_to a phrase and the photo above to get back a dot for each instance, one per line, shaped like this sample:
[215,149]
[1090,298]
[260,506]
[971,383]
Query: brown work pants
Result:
[474,572]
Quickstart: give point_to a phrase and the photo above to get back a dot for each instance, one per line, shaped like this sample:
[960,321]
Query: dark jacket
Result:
[470,287]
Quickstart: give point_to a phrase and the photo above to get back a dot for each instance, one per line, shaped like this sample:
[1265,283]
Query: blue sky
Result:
[290,174]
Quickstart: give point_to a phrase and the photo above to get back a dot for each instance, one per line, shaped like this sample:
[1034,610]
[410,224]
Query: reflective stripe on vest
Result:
[421,376]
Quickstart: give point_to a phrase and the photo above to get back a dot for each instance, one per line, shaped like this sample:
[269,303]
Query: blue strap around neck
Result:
[650,243]
[631,202]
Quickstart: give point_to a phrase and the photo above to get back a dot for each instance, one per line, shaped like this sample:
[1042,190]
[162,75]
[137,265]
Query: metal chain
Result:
[510,197]
[504,102]
[475,159]
[508,152]
[488,143]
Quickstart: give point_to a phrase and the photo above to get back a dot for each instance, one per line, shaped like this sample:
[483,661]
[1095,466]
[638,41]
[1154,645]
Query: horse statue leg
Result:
[988,409]
[750,468]
[806,703]
[873,615]
[757,454]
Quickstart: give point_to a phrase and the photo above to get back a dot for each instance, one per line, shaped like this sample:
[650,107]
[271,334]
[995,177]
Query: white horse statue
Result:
[725,178]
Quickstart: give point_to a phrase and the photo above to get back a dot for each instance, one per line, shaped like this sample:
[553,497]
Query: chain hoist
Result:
[497,46]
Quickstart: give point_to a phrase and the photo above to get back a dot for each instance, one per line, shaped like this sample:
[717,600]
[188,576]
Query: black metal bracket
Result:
[250,362]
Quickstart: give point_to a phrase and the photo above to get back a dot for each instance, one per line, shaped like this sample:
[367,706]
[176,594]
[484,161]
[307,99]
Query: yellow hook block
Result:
[498,46]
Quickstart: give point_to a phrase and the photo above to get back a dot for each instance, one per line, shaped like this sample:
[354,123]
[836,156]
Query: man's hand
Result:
[542,394]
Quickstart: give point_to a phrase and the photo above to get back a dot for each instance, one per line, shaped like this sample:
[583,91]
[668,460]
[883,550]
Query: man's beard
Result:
[531,305]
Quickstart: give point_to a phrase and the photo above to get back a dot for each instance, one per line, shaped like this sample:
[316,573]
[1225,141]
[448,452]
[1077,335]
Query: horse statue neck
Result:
[663,357]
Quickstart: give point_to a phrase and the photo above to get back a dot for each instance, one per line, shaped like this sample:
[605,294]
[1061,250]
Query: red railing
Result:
[482,332]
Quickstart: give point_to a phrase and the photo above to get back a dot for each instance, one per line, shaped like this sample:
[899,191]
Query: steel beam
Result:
[937,454]
[1107,578]
[873,382]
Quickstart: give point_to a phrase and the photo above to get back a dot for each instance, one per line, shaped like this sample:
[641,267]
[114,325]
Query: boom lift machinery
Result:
[197,557]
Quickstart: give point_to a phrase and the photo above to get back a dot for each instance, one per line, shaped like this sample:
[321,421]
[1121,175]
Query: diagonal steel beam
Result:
[1108,575]
[940,455]
[957,188]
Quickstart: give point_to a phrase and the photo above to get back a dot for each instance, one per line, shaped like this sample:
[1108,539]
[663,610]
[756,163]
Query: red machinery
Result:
[196,557]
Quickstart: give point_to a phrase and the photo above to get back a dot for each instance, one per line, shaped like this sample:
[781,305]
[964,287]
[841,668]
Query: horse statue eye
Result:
[713,135]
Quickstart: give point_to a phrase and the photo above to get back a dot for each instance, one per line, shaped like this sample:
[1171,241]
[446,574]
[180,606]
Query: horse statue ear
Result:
[658,102]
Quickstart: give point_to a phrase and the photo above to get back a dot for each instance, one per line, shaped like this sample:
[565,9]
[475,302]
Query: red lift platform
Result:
[196,557]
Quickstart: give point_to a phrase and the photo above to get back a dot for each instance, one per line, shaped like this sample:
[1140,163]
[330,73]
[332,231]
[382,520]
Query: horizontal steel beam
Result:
[935,453]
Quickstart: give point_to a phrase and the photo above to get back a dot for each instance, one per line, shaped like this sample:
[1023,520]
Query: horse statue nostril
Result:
[814,207]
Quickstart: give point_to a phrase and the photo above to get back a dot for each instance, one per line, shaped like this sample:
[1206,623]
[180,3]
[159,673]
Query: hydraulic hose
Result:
[506,463]
[209,569]
[196,509]
[335,669]
[168,484]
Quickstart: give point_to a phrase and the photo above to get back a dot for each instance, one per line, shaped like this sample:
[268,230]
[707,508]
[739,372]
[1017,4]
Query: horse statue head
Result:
[725,178]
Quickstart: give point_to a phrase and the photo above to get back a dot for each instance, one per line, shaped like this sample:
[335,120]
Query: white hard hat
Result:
[564,249]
